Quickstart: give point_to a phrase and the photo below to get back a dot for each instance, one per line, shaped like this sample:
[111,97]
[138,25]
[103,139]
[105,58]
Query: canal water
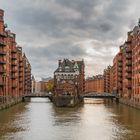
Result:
[93,120]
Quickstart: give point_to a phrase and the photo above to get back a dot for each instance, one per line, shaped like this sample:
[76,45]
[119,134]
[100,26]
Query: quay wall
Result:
[10,103]
[130,103]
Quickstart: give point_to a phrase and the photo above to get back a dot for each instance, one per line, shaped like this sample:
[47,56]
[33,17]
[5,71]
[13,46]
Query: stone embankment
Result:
[10,103]
[129,103]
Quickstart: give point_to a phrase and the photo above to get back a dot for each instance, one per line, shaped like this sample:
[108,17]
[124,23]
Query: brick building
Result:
[69,81]
[117,73]
[27,75]
[94,84]
[13,66]
[126,66]
[2,55]
[108,80]
[45,85]
[33,84]
[126,69]
[135,42]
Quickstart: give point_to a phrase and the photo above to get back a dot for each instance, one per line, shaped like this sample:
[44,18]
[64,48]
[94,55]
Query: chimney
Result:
[59,63]
[73,61]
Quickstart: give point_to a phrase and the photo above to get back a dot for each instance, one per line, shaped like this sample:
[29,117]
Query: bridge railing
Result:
[95,94]
[40,94]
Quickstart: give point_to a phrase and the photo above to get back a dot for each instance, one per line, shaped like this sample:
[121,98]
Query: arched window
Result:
[62,77]
[67,68]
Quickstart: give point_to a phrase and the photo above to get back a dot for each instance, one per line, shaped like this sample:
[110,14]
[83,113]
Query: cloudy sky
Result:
[49,30]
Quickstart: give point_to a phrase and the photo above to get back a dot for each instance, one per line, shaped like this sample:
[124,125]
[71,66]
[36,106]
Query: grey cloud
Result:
[51,22]
[45,58]
[85,7]
[49,30]
[61,49]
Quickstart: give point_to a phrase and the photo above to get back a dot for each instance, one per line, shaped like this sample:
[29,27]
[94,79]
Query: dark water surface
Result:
[94,120]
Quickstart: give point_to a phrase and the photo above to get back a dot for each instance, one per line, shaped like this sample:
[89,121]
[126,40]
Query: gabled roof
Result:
[68,66]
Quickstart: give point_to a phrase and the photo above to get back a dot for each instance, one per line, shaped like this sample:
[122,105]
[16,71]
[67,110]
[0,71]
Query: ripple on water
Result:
[39,120]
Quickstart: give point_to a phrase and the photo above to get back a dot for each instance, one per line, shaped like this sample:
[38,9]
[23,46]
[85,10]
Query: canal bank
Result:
[67,101]
[96,119]
[130,103]
[10,103]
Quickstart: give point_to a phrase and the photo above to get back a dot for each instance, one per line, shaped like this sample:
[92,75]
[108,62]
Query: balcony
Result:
[2,84]
[2,70]
[20,64]
[120,64]
[3,34]
[129,87]
[128,57]
[119,74]
[13,77]
[128,70]
[14,57]
[128,76]
[129,63]
[2,44]
[119,70]
[128,84]
[13,64]
[14,70]
[14,86]
[14,51]
[120,60]
[2,52]
[20,75]
[20,60]
[20,87]
[20,80]
[128,42]
[120,80]
[2,62]
[128,50]
[21,70]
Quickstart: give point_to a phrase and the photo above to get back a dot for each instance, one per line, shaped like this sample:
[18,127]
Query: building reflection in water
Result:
[98,119]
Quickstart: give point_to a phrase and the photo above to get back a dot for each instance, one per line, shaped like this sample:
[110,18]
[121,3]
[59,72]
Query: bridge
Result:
[100,95]
[38,95]
[87,95]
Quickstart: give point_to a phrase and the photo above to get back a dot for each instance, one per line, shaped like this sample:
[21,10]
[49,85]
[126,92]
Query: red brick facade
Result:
[117,73]
[123,78]
[15,70]
[108,79]
[94,84]
[69,78]
[126,68]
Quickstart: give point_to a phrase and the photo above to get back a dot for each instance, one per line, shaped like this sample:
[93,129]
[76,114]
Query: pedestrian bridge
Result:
[38,95]
[87,95]
[100,95]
